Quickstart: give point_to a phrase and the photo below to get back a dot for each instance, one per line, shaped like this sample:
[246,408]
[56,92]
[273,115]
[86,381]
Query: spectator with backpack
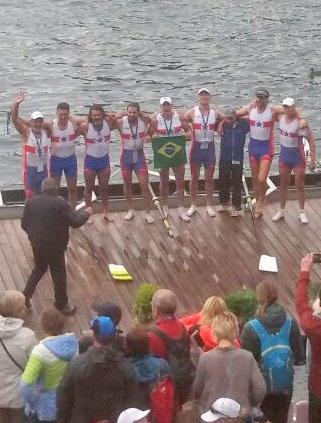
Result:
[274,339]
[228,372]
[168,339]
[156,388]
[311,324]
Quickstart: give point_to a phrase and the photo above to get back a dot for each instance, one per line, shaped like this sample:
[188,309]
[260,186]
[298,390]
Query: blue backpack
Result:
[276,356]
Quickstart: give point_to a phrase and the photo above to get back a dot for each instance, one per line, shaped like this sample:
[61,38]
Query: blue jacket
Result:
[233,140]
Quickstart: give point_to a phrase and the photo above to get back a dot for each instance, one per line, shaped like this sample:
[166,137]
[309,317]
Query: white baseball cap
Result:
[165,100]
[36,115]
[204,90]
[132,415]
[288,102]
[222,408]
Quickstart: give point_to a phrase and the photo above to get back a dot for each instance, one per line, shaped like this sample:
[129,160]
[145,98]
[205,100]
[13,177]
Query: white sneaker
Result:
[182,214]
[130,215]
[165,210]
[210,211]
[191,210]
[278,215]
[303,217]
[235,213]
[223,208]
[149,218]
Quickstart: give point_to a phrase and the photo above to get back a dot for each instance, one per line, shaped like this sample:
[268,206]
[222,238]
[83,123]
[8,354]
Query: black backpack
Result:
[178,357]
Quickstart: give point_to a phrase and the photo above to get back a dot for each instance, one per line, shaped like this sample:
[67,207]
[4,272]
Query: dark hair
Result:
[137,342]
[107,308]
[134,104]
[63,106]
[52,322]
[98,108]
[50,186]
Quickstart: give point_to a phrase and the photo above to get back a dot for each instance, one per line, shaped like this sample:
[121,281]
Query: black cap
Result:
[108,309]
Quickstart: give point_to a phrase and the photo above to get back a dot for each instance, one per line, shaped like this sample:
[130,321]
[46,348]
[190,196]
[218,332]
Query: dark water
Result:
[114,51]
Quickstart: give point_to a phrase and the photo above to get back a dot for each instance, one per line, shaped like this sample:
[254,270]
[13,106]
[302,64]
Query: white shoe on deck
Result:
[191,210]
[149,218]
[278,215]
[223,208]
[182,214]
[130,215]
[303,217]
[210,211]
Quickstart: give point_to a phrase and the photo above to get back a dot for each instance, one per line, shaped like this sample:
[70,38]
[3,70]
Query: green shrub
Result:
[314,288]
[142,302]
[242,303]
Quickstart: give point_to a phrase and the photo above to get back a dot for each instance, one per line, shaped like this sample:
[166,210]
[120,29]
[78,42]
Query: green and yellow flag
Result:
[169,151]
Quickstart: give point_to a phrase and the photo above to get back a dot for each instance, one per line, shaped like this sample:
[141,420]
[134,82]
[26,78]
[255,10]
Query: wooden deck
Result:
[207,257]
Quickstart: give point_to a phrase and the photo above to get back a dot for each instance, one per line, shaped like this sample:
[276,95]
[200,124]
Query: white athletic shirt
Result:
[133,137]
[97,142]
[63,141]
[261,124]
[36,150]
[168,127]
[290,134]
[204,125]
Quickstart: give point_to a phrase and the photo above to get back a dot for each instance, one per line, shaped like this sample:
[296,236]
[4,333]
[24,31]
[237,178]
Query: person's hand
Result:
[307,263]
[89,210]
[20,96]
[312,165]
[147,138]
[189,136]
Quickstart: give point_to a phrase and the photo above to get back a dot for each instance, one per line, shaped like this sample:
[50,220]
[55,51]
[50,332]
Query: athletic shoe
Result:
[149,218]
[303,218]
[223,208]
[68,309]
[278,215]
[210,211]
[191,210]
[129,215]
[182,214]
[235,213]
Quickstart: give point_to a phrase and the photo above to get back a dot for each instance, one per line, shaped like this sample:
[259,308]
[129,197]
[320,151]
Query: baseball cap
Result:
[262,93]
[36,115]
[108,309]
[222,408]
[132,415]
[163,100]
[204,90]
[288,102]
[103,327]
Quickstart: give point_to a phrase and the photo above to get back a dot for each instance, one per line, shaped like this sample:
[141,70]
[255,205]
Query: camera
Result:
[316,257]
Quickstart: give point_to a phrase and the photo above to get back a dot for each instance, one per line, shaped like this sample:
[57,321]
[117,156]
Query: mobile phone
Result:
[316,257]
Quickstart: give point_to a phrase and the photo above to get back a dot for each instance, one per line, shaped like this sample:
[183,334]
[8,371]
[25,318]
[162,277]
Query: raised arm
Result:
[245,110]
[19,123]
[189,116]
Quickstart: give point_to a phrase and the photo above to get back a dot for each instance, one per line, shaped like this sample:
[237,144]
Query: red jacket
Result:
[312,327]
[172,328]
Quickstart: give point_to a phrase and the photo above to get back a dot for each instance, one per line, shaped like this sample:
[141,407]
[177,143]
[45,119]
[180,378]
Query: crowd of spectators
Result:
[196,368]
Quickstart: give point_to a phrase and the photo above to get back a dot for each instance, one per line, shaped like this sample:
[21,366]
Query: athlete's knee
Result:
[299,184]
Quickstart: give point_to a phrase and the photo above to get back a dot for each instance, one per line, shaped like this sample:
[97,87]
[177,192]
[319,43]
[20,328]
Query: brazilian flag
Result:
[169,151]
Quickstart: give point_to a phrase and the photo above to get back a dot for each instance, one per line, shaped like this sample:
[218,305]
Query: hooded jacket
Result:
[19,341]
[43,373]
[273,318]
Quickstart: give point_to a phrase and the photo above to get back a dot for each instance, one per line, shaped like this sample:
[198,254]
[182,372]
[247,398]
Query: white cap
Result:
[222,408]
[288,102]
[132,415]
[204,90]
[165,100]
[36,115]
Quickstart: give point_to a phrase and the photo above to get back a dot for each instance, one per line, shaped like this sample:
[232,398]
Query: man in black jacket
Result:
[98,384]
[46,219]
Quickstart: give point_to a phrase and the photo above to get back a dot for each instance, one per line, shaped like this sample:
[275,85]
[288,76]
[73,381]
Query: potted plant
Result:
[243,304]
[143,302]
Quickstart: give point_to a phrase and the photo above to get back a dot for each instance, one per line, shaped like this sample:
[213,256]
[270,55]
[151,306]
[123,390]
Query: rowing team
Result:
[258,118]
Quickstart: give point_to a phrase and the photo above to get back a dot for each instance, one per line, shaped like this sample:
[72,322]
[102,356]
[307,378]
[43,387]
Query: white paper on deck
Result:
[268,264]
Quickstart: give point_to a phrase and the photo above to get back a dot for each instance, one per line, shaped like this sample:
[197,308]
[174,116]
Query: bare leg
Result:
[209,173]
[179,172]
[195,174]
[90,178]
[264,168]
[285,174]
[103,180]
[128,190]
[164,185]
[255,171]
[299,173]
[72,190]
[143,182]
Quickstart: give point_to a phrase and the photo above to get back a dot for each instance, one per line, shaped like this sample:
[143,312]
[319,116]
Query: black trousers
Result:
[314,408]
[55,259]
[276,406]
[230,176]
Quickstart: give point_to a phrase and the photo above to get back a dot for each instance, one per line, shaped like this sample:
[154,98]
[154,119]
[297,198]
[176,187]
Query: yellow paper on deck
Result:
[119,272]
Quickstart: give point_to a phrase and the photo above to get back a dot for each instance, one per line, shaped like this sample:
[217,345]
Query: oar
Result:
[160,209]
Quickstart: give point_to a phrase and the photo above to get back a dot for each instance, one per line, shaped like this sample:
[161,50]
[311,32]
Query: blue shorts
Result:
[292,157]
[97,164]
[33,180]
[133,161]
[68,165]
[202,156]
[260,150]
